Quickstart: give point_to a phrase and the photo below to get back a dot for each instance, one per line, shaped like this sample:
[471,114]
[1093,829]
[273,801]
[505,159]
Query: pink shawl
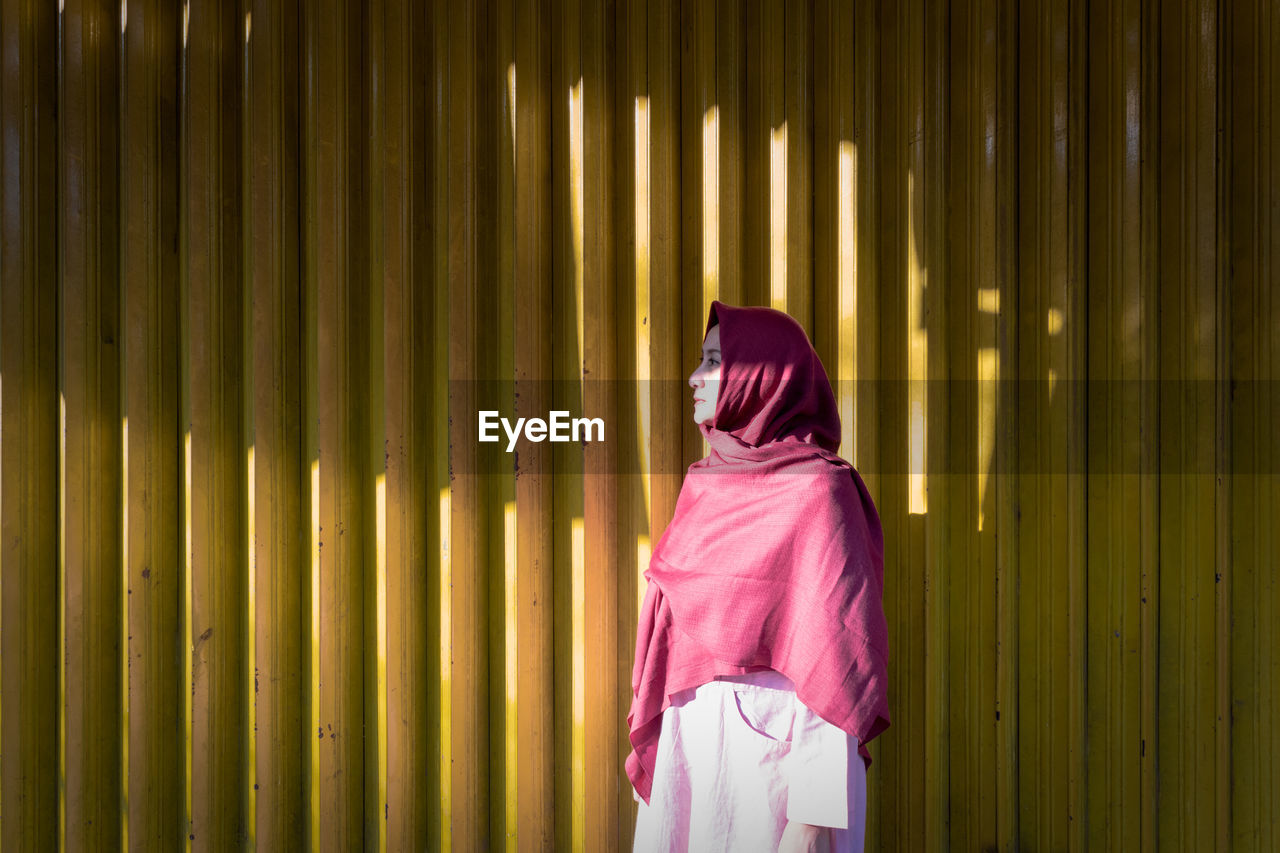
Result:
[773,558]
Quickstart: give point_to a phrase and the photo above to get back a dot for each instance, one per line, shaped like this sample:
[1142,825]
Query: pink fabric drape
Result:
[773,558]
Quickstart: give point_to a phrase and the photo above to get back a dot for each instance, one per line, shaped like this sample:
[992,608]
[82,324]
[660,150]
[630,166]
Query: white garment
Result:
[737,759]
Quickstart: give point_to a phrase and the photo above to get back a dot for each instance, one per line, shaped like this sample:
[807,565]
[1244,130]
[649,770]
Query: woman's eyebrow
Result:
[712,350]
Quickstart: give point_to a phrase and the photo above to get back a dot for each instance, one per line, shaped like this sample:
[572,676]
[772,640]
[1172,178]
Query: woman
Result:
[761,652]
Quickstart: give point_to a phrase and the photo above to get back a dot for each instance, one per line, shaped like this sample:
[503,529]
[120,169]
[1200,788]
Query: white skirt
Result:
[737,759]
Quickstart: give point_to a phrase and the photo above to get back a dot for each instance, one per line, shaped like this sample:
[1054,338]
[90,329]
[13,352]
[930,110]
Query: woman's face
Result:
[705,380]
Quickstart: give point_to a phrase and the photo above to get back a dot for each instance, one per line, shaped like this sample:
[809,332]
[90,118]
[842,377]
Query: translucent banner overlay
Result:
[960,427]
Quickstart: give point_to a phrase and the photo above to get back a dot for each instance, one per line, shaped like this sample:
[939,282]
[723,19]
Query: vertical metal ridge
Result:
[1005,343]
[1145,52]
[866,450]
[729,101]
[499,307]
[905,813]
[216,463]
[439,691]
[971,334]
[942,329]
[772,135]
[1190,578]
[797,111]
[755,157]
[1268,360]
[536,801]
[830,118]
[372,408]
[834,168]
[1122,505]
[401,164]
[30,658]
[631,254]
[280,492]
[697,142]
[89,246]
[1041,382]
[469,731]
[382,220]
[1249,227]
[666,358]
[566,324]
[336,246]
[1075,318]
[149,265]
[604,776]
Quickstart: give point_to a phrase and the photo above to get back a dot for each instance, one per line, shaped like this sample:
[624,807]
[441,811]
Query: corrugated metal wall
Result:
[260,584]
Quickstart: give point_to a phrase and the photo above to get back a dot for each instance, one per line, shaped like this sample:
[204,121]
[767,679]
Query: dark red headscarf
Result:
[773,559]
